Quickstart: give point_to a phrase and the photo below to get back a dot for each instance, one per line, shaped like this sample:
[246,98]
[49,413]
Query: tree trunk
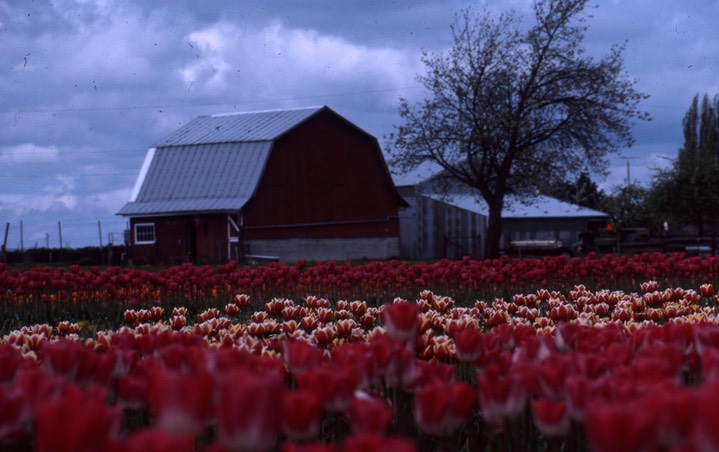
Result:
[494,231]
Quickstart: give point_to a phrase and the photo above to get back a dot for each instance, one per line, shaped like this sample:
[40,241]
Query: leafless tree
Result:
[510,108]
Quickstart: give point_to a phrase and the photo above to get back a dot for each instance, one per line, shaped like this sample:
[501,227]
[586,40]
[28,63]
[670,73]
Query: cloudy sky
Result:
[86,86]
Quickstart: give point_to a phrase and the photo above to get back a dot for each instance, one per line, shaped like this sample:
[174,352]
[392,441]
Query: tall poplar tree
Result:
[686,194]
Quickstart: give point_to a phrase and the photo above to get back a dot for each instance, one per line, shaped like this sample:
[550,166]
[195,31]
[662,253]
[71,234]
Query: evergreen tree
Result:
[582,192]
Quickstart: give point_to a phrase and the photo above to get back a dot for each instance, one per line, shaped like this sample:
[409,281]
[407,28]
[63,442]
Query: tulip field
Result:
[611,353]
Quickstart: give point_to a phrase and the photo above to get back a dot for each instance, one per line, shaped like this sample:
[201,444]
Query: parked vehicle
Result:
[552,247]
[632,240]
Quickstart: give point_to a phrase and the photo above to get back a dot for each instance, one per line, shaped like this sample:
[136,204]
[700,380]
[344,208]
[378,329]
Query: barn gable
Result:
[212,164]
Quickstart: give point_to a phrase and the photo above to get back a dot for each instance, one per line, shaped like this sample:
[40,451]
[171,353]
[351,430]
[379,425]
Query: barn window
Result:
[144,233]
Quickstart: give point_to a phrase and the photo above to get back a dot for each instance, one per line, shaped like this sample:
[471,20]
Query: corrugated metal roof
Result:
[236,127]
[540,207]
[207,177]
[422,173]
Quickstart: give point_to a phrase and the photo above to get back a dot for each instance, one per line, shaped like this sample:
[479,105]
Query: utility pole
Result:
[3,251]
[59,230]
[629,180]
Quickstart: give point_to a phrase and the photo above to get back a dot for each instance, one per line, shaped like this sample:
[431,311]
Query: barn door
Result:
[191,239]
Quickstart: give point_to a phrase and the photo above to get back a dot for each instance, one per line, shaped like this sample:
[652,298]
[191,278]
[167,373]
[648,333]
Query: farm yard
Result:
[597,353]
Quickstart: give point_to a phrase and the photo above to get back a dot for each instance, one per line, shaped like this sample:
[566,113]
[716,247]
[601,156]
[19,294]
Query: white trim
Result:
[143,172]
[232,222]
[238,113]
[144,242]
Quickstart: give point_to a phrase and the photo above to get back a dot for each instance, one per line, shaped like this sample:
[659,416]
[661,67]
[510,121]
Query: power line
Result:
[194,105]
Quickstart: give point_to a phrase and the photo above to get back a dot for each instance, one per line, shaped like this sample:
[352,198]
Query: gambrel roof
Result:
[212,164]
[239,127]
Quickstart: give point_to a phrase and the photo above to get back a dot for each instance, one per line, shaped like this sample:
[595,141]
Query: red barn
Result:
[284,185]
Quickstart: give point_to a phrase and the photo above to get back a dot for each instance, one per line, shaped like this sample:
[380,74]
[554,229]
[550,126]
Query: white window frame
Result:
[145,233]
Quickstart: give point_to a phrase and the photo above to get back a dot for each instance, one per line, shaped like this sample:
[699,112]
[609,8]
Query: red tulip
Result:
[368,321]
[130,317]
[358,308]
[65,358]
[248,417]
[649,286]
[308,447]
[707,290]
[309,323]
[232,309]
[551,418]
[394,362]
[242,300]
[400,319]
[335,385]
[156,313]
[369,414]
[366,443]
[299,356]
[178,322]
[579,390]
[440,408]
[502,396]
[344,327]
[132,391]
[324,335]
[10,360]
[301,414]
[13,414]
[151,440]
[325,315]
[468,345]
[551,375]
[76,421]
[619,427]
[182,403]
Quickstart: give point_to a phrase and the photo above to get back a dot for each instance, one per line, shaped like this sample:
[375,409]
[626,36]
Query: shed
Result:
[281,185]
[434,226]
[441,222]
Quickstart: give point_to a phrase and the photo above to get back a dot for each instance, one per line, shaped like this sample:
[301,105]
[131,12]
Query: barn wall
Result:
[328,174]
[183,238]
[292,250]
